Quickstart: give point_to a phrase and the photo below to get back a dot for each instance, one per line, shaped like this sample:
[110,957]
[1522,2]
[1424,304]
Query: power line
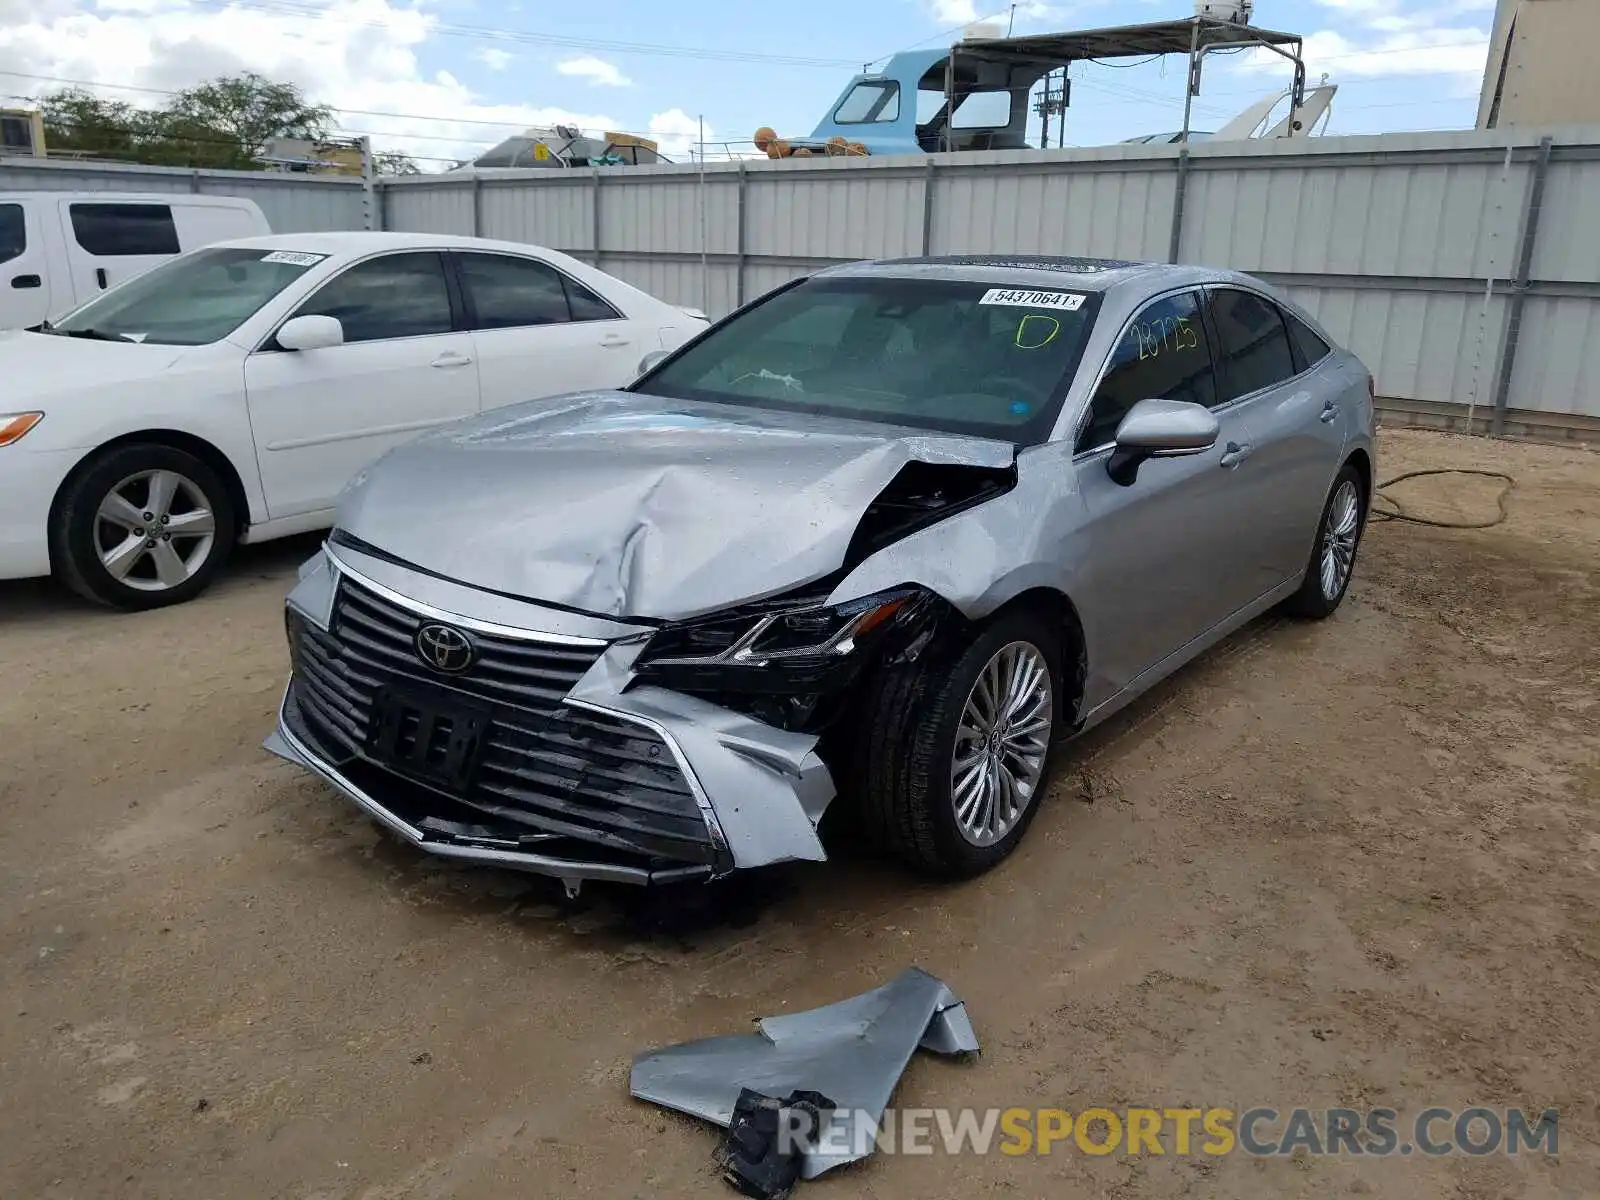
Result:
[943,33]
[520,36]
[346,112]
[289,7]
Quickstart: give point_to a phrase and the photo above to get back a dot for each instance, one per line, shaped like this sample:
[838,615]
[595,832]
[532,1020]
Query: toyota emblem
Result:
[445,648]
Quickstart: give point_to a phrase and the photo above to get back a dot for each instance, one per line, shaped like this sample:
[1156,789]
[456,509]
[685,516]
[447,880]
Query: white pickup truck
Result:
[61,249]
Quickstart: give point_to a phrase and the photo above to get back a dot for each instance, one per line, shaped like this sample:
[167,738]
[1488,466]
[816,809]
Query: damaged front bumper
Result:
[545,755]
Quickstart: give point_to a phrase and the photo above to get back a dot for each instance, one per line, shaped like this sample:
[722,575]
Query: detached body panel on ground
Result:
[886,533]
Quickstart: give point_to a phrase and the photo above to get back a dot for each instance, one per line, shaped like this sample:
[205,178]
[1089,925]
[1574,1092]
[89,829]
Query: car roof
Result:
[1029,270]
[370,241]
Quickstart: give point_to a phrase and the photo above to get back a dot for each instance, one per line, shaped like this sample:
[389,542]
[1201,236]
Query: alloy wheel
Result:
[154,530]
[1001,742]
[1339,539]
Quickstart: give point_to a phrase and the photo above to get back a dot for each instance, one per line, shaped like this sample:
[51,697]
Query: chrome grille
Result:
[376,636]
[547,768]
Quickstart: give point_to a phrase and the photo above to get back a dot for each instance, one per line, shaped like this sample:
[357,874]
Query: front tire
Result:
[956,746]
[1333,553]
[142,526]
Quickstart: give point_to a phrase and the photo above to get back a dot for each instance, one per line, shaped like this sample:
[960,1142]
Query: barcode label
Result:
[1068,301]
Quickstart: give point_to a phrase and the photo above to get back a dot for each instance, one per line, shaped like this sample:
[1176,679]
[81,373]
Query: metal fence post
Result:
[927,208]
[477,205]
[739,244]
[371,198]
[1519,286]
[1180,193]
[594,213]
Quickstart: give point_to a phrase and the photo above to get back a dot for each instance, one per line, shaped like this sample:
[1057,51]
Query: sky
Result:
[444,79]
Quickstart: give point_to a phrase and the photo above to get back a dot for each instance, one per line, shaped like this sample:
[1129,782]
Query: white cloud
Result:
[676,132]
[988,14]
[494,58]
[352,54]
[596,70]
[1379,38]
[1432,51]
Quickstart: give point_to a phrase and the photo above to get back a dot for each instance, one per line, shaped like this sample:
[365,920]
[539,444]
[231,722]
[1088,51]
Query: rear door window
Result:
[13,232]
[1309,349]
[508,292]
[395,296]
[1164,355]
[124,230]
[1252,343]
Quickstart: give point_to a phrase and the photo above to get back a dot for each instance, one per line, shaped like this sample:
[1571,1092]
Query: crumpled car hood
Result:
[631,505]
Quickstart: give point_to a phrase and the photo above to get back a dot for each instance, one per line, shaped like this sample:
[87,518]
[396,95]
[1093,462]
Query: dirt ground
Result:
[1349,864]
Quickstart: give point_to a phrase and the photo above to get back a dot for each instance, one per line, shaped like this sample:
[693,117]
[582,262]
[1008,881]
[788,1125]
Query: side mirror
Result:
[1160,429]
[649,361]
[311,333]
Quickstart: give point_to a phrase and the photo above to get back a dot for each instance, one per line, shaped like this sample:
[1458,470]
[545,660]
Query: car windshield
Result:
[945,355]
[189,300]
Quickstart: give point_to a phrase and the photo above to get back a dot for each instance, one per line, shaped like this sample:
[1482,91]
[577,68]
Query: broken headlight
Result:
[788,661]
[793,633]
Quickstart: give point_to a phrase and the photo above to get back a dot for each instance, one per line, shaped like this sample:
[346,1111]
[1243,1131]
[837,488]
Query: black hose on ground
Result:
[1396,513]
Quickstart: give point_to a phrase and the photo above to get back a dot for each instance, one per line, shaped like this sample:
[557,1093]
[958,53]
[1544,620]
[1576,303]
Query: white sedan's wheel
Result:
[154,530]
[142,526]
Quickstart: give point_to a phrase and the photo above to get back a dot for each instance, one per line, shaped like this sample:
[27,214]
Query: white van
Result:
[60,249]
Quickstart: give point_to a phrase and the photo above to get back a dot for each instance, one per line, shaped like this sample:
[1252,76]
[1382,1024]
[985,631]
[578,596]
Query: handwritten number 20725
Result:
[1164,333]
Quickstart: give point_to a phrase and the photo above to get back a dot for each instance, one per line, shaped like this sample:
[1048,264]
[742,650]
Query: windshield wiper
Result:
[94,335]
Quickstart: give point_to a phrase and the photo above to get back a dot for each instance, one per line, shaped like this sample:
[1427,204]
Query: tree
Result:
[75,120]
[394,162]
[222,123]
[234,115]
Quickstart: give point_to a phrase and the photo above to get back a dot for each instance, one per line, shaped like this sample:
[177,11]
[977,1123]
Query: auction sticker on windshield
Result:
[1068,301]
[294,258]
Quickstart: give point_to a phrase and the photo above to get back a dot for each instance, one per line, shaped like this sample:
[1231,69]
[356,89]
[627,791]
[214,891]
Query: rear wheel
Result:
[1333,554]
[956,748]
[142,526]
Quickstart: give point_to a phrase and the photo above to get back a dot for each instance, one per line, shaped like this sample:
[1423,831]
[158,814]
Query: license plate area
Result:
[433,736]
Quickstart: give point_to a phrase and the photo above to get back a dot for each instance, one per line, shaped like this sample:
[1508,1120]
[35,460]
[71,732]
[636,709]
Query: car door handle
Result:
[1330,412]
[615,341]
[26,281]
[100,277]
[1236,454]
[451,359]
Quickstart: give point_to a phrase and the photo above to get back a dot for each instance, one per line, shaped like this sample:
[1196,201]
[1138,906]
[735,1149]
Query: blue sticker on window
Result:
[1019,408]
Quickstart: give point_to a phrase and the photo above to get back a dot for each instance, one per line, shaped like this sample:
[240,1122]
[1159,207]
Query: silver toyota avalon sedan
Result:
[875,541]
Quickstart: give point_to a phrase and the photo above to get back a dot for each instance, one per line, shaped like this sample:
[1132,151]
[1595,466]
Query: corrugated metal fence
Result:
[1462,267]
[292,203]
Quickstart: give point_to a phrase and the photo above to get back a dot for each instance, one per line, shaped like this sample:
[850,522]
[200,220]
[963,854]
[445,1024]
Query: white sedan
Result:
[230,393]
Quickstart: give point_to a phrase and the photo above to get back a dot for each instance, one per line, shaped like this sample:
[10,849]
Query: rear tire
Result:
[915,792]
[142,526]
[1333,551]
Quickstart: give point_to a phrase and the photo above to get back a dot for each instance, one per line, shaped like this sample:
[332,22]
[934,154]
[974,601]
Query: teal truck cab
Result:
[975,95]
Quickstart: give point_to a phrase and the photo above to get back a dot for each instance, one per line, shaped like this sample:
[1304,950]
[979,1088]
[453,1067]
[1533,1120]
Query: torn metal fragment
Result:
[853,1052]
[756,1157]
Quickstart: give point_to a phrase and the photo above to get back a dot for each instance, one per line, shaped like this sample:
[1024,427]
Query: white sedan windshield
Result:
[191,300]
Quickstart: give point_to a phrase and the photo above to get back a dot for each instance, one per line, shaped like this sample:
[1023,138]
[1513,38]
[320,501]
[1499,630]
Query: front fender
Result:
[1032,536]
